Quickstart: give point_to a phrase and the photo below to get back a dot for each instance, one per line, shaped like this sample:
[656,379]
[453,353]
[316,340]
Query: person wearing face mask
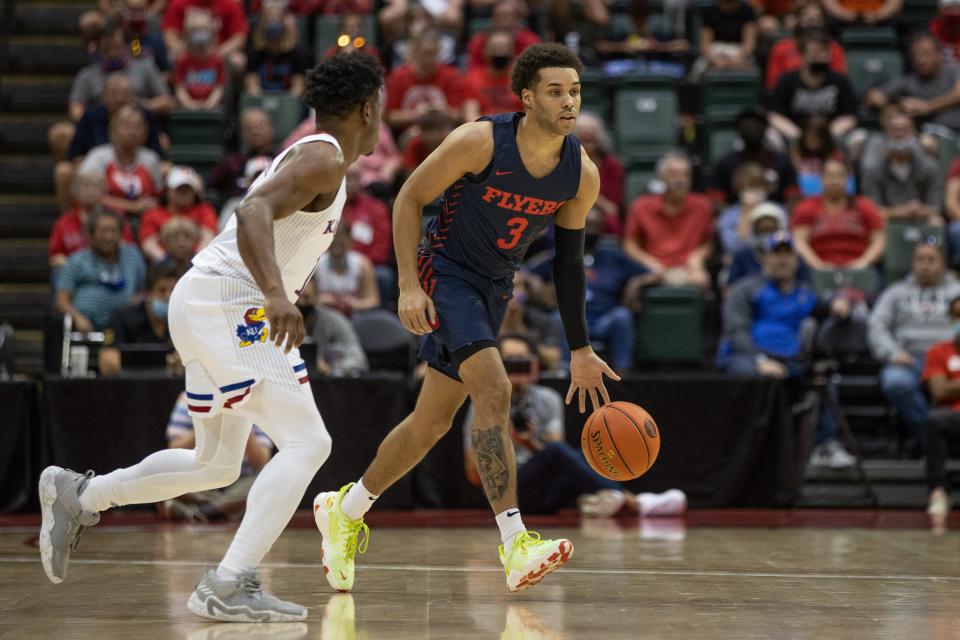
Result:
[910,317]
[752,128]
[671,234]
[226,18]
[184,199]
[200,74]
[941,374]
[734,223]
[275,63]
[785,55]
[813,90]
[140,323]
[423,84]
[904,182]
[488,88]
[766,219]
[506,16]
[946,27]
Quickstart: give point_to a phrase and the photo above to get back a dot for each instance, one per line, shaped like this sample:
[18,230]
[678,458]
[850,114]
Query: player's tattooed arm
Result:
[488,445]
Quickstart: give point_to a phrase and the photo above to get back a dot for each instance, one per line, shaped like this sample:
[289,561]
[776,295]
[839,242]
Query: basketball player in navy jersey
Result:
[504,179]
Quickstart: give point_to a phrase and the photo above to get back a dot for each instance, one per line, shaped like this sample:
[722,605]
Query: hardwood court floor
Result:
[626,580]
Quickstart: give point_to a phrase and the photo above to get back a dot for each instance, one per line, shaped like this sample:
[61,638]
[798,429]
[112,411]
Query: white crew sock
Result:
[511,525]
[357,501]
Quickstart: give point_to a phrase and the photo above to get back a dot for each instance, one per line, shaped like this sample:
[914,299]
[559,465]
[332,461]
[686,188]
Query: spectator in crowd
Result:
[345,279]
[766,219]
[785,57]
[952,207]
[93,130]
[728,37]
[903,180]
[416,21]
[595,140]
[810,154]
[229,24]
[339,352]
[275,64]
[443,14]
[179,237]
[907,320]
[487,88]
[199,74]
[752,128]
[352,38]
[134,17]
[143,322]
[763,319]
[371,229]
[552,475]
[422,85]
[506,16]
[434,126]
[542,327]
[215,504]
[837,230]
[671,234]
[573,22]
[148,84]
[131,171]
[614,282]
[941,374]
[649,38]
[868,13]
[184,199]
[813,90]
[308,8]
[930,93]
[254,167]
[256,139]
[946,27]
[69,233]
[734,223]
[96,281]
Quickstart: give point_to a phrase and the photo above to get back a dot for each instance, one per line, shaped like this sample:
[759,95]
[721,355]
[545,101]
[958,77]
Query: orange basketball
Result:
[620,441]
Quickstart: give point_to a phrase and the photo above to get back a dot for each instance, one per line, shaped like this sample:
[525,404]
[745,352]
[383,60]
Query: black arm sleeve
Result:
[571,285]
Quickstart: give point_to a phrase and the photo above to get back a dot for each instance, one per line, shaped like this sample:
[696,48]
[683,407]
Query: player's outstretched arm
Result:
[468,149]
[586,368]
[306,172]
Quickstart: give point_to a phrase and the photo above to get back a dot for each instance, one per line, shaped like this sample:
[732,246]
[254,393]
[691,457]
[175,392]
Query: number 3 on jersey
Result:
[516,227]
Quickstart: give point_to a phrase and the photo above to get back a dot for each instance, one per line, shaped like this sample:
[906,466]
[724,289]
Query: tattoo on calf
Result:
[491,461]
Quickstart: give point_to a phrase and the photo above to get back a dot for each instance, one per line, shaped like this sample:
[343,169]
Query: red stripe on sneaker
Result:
[191,407]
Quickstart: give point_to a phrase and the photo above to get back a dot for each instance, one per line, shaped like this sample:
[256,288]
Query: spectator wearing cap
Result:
[251,171]
[837,230]
[96,281]
[179,237]
[946,27]
[671,234]
[813,90]
[184,199]
[487,88]
[752,128]
[69,233]
[505,18]
[930,92]
[763,320]
[734,223]
[910,317]
[766,219]
[785,55]
[903,181]
[143,322]
[256,139]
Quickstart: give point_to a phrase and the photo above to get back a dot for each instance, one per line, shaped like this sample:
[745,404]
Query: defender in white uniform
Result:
[235,325]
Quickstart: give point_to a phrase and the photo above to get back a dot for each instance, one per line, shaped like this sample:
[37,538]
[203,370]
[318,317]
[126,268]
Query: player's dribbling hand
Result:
[586,376]
[416,311]
[286,323]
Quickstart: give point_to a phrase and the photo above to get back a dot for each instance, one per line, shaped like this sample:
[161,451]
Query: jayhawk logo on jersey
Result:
[254,328]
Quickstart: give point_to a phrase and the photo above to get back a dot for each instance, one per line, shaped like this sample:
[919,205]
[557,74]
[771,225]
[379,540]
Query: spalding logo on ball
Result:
[620,441]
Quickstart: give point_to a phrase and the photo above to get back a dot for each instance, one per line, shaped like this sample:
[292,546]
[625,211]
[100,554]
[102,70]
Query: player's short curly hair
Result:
[526,69]
[340,84]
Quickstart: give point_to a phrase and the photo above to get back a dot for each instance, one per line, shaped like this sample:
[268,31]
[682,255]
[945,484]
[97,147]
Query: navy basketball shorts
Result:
[470,309]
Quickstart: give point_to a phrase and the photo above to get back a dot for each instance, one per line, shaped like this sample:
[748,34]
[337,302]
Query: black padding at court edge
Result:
[20,451]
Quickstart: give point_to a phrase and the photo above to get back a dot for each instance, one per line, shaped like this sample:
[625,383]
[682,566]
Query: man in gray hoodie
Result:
[909,318]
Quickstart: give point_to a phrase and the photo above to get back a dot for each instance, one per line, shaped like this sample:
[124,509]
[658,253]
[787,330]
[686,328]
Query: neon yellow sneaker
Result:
[340,538]
[530,559]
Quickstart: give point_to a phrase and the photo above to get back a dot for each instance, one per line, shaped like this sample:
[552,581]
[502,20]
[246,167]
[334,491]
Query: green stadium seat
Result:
[669,326]
[201,157]
[285,111]
[645,122]
[946,147]
[866,280]
[902,236]
[326,28]
[196,128]
[873,38]
[721,142]
[593,92]
[919,12]
[870,68]
[727,93]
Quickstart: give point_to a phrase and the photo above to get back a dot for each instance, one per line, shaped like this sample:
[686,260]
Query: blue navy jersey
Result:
[489,220]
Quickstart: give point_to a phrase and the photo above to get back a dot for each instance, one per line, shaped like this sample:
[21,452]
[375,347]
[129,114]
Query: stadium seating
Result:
[285,111]
[196,138]
[902,236]
[669,326]
[645,117]
[727,93]
[865,280]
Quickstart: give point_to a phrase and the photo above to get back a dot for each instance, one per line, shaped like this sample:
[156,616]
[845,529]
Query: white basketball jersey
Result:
[299,239]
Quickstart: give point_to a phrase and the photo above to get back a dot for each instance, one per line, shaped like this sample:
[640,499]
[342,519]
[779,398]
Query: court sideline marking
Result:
[494,569]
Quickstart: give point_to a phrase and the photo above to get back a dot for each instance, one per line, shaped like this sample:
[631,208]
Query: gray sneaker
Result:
[240,600]
[63,519]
